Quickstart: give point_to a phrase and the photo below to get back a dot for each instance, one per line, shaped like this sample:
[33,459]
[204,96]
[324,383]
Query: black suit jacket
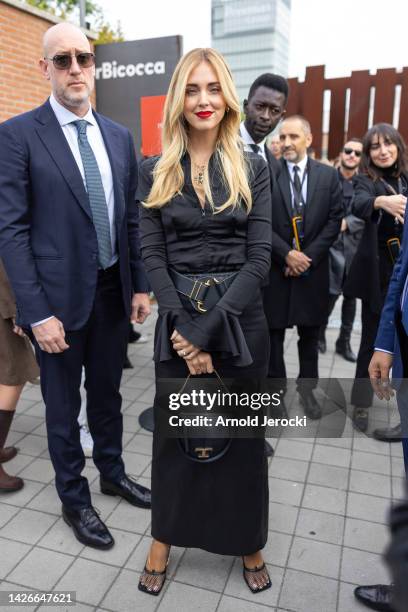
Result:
[47,237]
[274,166]
[303,300]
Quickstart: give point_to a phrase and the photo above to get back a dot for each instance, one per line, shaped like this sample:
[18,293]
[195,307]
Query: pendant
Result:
[199,176]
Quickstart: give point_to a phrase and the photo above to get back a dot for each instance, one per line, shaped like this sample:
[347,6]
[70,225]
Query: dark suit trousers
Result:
[402,392]
[362,391]
[100,347]
[307,351]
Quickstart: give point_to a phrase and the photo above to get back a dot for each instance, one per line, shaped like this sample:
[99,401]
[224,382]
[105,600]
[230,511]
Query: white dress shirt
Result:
[248,140]
[65,118]
[302,165]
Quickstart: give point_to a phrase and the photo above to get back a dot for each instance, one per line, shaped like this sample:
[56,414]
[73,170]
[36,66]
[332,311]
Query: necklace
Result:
[198,176]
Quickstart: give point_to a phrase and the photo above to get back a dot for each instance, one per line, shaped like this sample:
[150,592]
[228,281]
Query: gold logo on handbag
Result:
[202,452]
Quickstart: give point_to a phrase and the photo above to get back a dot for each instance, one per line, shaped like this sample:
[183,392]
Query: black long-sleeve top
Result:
[183,236]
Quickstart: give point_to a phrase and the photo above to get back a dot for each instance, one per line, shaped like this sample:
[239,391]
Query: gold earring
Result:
[227,110]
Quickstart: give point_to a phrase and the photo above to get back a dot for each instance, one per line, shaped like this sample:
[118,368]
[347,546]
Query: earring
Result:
[227,110]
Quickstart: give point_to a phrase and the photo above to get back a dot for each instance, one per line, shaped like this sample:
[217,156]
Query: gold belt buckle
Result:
[208,283]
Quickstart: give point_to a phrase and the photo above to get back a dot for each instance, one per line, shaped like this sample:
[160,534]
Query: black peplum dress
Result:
[220,507]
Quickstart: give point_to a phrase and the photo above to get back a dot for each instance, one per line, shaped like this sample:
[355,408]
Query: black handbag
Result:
[208,447]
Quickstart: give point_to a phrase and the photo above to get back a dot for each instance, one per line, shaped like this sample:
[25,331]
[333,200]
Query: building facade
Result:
[22,86]
[253,36]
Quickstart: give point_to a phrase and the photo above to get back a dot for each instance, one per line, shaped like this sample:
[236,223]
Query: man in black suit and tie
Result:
[264,108]
[306,219]
[69,242]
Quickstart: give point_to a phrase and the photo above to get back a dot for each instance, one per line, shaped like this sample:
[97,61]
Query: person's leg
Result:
[322,330]
[277,369]
[308,354]
[60,386]
[9,396]
[308,370]
[105,352]
[348,312]
[362,393]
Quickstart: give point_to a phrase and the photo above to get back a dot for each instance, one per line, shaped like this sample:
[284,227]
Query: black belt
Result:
[114,269]
[203,290]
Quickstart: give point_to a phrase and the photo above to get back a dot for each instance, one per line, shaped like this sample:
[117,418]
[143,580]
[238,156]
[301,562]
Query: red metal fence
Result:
[349,99]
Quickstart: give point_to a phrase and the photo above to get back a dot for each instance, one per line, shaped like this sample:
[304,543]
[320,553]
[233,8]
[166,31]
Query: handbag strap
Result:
[189,376]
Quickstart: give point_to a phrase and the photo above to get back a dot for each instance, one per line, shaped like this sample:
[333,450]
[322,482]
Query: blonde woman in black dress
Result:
[207,211]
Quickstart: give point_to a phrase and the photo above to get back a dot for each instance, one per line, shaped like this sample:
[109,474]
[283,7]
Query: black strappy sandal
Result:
[152,581]
[253,576]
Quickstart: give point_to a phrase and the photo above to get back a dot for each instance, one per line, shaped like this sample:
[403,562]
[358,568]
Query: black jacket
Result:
[303,300]
[371,268]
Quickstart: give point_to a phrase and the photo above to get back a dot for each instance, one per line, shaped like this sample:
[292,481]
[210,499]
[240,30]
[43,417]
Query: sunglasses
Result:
[350,151]
[64,60]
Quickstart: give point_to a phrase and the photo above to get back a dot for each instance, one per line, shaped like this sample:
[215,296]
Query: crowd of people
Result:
[238,237]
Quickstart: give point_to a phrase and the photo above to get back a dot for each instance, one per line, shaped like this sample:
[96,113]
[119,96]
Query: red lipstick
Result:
[204,114]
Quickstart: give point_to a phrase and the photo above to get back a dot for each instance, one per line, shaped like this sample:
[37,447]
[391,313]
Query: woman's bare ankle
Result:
[254,560]
[158,555]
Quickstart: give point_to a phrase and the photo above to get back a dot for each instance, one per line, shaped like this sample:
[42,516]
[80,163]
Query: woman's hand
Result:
[183,347]
[200,364]
[392,204]
[17,329]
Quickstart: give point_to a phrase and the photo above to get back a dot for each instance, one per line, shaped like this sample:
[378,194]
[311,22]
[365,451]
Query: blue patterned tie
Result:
[96,194]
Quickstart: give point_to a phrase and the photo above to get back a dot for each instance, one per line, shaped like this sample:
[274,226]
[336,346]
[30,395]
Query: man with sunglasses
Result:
[343,251]
[69,242]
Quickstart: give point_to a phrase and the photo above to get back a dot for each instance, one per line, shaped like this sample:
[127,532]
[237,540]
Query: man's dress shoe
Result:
[310,406]
[134,493]
[389,434]
[376,597]
[88,527]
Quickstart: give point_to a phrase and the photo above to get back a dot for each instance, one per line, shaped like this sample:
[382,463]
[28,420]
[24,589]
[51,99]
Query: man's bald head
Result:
[63,36]
[72,79]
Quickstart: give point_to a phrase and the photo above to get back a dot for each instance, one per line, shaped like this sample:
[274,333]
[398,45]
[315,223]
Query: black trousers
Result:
[101,348]
[307,351]
[362,392]
[348,313]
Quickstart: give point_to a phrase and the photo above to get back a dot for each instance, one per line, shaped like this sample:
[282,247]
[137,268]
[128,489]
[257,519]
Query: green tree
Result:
[63,8]
[66,8]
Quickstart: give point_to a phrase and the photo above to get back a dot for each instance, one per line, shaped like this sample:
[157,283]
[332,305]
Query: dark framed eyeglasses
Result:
[63,61]
[348,151]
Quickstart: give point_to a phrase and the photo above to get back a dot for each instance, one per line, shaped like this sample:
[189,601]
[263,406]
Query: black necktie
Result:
[297,187]
[256,148]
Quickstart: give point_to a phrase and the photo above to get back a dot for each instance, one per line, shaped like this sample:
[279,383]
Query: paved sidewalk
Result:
[328,506]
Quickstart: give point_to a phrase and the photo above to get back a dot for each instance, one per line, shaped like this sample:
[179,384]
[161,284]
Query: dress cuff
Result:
[170,320]
[217,331]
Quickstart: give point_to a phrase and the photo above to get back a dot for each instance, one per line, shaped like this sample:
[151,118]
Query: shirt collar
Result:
[301,165]
[247,138]
[65,116]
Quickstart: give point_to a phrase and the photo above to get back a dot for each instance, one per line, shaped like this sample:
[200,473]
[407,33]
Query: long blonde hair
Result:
[168,173]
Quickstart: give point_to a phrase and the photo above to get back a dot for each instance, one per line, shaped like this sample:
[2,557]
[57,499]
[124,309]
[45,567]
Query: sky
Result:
[345,35]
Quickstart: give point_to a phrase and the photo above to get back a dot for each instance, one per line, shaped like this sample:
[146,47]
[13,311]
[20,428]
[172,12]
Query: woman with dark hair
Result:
[381,189]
